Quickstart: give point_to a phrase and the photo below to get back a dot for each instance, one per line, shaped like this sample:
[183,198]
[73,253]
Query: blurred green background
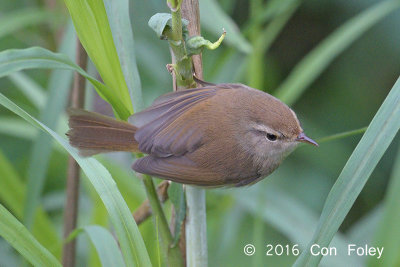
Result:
[282,209]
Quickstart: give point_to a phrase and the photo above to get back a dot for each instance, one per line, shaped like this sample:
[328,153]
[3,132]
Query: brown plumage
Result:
[227,134]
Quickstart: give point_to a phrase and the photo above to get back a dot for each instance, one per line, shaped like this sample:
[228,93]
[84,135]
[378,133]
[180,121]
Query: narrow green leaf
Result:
[13,193]
[58,91]
[315,62]
[13,60]
[388,232]
[105,244]
[20,238]
[177,197]
[93,29]
[17,128]
[296,221]
[33,91]
[363,231]
[272,9]
[130,240]
[214,19]
[118,15]
[355,173]
[263,39]
[14,21]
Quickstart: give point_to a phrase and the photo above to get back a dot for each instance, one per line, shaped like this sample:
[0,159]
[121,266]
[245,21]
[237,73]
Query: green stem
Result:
[171,254]
[184,75]
[341,135]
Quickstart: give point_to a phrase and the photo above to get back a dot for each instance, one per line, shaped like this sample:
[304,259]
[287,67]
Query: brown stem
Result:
[71,205]
[190,11]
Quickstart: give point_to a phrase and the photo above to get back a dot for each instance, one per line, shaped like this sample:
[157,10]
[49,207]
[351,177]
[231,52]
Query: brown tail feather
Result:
[93,133]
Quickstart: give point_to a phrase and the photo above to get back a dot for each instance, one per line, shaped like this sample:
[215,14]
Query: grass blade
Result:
[93,29]
[13,193]
[33,91]
[294,220]
[118,15]
[388,232]
[20,238]
[105,244]
[59,85]
[355,173]
[17,128]
[315,62]
[19,19]
[130,240]
[13,60]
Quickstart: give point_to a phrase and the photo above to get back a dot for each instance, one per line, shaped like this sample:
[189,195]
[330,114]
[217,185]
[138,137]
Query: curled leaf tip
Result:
[216,44]
[196,44]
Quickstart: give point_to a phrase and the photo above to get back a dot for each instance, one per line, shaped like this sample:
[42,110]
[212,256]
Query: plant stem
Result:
[342,135]
[183,70]
[196,227]
[196,224]
[171,254]
[71,205]
[144,211]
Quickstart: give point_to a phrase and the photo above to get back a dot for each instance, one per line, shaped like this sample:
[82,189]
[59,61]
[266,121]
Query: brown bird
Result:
[218,135]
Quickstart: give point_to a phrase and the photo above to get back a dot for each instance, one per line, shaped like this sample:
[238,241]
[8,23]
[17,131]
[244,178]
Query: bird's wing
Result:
[165,129]
[178,169]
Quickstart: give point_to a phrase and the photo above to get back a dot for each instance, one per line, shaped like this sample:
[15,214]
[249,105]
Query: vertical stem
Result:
[196,225]
[172,254]
[71,205]
[183,69]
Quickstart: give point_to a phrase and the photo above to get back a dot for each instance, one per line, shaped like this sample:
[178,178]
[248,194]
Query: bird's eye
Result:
[271,137]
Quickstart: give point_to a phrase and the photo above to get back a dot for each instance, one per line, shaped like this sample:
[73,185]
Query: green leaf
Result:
[315,62]
[364,229]
[196,44]
[214,19]
[292,218]
[161,23]
[118,15]
[105,244]
[13,194]
[14,21]
[388,232]
[130,240]
[177,197]
[58,93]
[355,173]
[93,29]
[17,128]
[263,39]
[33,91]
[13,60]
[23,241]
[272,9]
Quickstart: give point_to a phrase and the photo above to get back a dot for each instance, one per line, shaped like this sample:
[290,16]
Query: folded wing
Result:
[164,130]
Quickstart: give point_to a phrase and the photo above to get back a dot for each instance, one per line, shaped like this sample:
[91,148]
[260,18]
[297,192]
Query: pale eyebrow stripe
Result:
[266,129]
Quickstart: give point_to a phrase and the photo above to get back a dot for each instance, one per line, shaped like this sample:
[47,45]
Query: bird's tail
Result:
[93,133]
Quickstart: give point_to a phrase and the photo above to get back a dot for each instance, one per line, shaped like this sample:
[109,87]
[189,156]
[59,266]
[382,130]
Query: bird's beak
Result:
[305,139]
